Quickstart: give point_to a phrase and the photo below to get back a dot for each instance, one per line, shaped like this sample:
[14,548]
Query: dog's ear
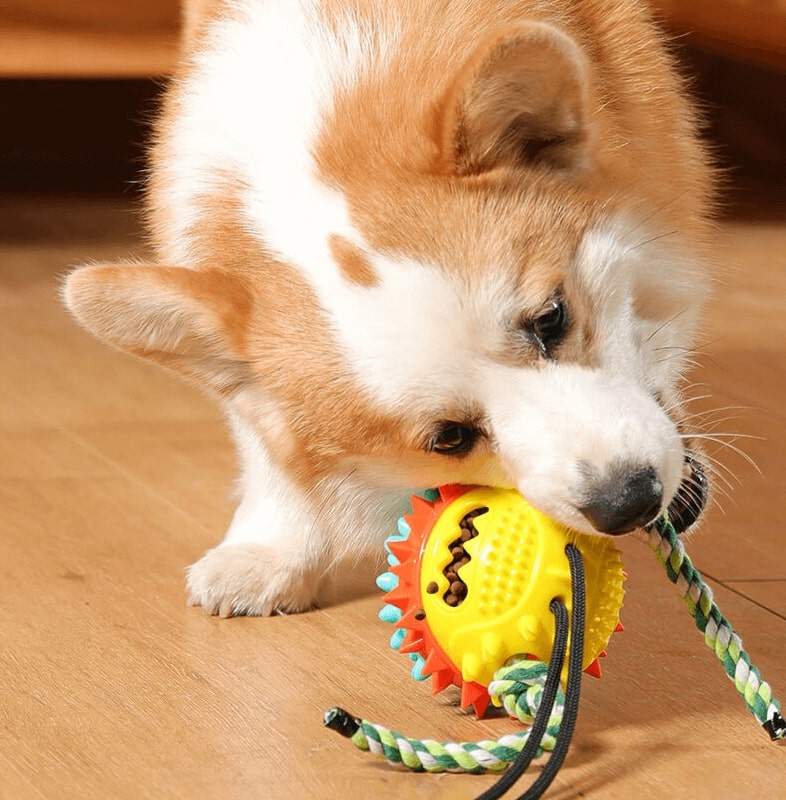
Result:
[522,96]
[190,321]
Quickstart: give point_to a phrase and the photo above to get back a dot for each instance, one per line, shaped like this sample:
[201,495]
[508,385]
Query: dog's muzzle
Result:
[691,498]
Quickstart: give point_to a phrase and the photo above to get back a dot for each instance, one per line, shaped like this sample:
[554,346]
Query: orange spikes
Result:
[400,597]
[414,619]
[412,642]
[473,694]
[441,679]
[452,491]
[407,572]
[594,669]
[421,510]
[437,661]
[404,549]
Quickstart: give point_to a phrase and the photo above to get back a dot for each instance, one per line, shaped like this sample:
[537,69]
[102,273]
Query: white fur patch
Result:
[421,343]
[417,335]
[253,108]
[620,260]
[549,421]
[339,516]
[420,333]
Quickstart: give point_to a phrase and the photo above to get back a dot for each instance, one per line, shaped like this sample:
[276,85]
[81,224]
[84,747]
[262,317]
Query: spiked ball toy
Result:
[479,588]
[471,575]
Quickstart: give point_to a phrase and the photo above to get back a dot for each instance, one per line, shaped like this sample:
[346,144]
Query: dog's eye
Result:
[453,439]
[549,328]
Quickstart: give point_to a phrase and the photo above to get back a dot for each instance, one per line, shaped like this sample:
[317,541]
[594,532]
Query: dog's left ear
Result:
[522,96]
[190,321]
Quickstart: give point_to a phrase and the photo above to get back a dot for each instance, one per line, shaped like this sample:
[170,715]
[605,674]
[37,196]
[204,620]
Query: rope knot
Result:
[518,688]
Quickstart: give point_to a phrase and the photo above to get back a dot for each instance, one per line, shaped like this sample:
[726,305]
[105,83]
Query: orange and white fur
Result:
[406,243]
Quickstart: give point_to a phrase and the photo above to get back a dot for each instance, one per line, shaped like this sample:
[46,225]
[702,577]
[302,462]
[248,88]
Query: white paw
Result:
[249,579]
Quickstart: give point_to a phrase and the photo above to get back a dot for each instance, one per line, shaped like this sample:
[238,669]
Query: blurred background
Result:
[79,82]
[114,476]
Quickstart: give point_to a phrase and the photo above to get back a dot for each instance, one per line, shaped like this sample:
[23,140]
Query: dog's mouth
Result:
[691,498]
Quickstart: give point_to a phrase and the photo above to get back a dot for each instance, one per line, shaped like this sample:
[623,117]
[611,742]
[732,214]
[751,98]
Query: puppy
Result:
[406,243]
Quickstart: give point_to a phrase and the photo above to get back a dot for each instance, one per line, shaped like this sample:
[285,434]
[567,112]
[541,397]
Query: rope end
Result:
[342,722]
[776,728]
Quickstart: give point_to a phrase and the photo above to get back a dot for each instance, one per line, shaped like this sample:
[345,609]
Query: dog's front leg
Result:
[275,551]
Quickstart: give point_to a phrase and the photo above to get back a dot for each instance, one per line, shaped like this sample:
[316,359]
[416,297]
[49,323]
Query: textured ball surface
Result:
[472,575]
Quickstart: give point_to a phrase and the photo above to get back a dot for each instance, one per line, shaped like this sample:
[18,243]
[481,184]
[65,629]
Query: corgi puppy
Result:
[406,243]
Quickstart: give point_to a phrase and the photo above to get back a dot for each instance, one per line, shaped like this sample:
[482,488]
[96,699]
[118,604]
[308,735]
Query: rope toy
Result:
[479,586]
[719,635]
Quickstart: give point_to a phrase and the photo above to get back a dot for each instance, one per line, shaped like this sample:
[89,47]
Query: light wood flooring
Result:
[115,476]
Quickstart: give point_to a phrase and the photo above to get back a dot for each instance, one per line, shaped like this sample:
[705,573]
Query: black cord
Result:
[572,691]
[539,724]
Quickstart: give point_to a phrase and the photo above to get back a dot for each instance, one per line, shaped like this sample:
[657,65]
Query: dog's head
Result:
[510,311]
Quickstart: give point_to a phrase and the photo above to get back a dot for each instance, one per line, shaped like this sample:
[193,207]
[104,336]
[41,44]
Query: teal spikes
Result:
[397,638]
[389,613]
[387,581]
[417,667]
[403,534]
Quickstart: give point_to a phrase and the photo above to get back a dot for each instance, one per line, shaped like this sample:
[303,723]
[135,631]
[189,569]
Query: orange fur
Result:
[354,265]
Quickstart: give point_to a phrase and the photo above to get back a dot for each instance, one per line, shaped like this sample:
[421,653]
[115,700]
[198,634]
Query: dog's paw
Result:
[249,579]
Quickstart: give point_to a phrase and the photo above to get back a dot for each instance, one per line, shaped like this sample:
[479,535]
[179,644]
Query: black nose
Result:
[624,498]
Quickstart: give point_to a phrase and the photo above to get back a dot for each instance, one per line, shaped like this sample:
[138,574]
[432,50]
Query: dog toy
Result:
[472,574]
[719,635]
[479,587]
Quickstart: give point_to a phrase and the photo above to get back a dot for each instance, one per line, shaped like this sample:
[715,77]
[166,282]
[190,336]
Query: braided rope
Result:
[518,686]
[719,635]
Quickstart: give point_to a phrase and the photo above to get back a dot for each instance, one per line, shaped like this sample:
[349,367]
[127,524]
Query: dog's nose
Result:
[625,498]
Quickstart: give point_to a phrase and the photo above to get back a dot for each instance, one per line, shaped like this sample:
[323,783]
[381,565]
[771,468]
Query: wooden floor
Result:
[114,477]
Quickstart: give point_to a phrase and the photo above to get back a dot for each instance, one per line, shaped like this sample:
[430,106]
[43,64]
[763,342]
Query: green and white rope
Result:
[718,632]
[518,686]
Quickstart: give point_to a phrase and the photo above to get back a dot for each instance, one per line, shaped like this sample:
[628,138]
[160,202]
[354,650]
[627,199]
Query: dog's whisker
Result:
[657,210]
[677,347]
[656,238]
[681,403]
[683,364]
[711,415]
[703,417]
[719,467]
[686,364]
[724,438]
[728,444]
[722,474]
[666,323]
[722,485]
[711,424]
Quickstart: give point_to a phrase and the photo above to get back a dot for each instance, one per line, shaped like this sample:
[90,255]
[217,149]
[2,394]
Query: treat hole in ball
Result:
[457,589]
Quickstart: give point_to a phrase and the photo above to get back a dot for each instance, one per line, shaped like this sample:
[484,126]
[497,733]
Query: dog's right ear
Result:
[191,321]
[522,96]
